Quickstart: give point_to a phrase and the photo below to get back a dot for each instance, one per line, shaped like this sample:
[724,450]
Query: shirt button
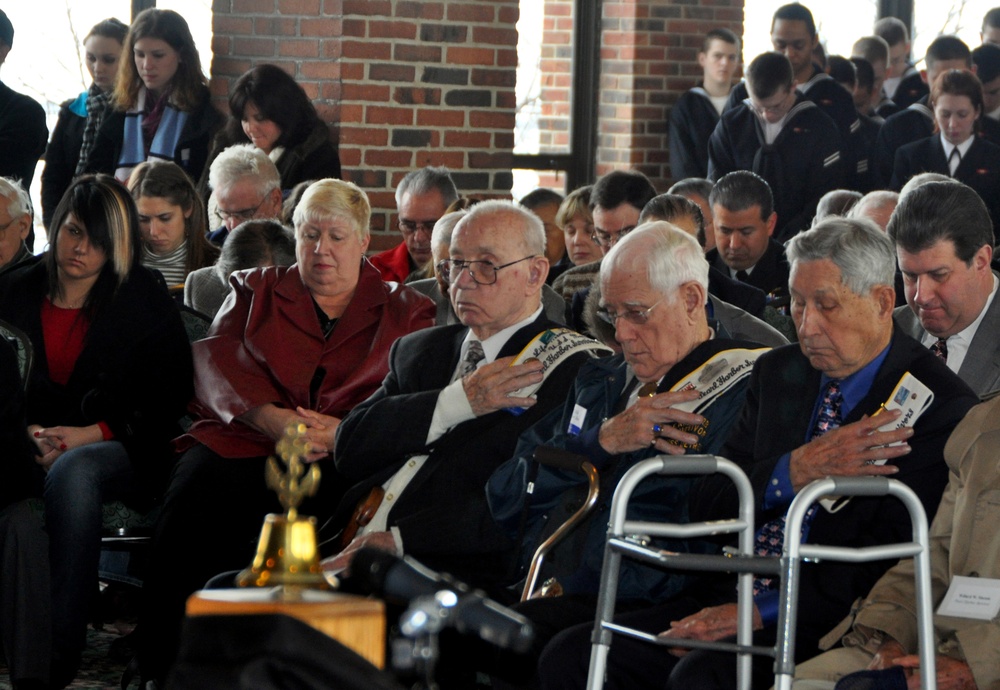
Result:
[774,482]
[778,493]
[388,497]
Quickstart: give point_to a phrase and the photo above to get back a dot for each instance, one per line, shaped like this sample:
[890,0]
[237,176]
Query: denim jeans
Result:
[78,482]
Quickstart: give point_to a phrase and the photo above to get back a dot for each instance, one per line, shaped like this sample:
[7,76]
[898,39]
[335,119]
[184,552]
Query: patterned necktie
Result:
[771,537]
[954,160]
[940,348]
[473,357]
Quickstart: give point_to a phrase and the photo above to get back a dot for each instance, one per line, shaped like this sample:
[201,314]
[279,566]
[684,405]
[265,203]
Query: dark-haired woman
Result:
[162,105]
[81,118]
[112,375]
[955,149]
[271,111]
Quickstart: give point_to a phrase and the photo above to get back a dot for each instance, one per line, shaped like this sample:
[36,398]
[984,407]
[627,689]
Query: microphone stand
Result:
[418,651]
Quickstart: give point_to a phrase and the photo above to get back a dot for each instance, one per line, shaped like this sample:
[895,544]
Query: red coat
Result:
[394,264]
[265,346]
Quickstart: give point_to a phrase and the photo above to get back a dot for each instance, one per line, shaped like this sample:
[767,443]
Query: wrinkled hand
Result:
[952,674]
[709,624]
[487,387]
[633,429]
[53,441]
[321,430]
[378,540]
[847,450]
[886,655]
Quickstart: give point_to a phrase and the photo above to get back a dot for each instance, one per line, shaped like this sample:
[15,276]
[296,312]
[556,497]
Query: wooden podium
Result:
[356,622]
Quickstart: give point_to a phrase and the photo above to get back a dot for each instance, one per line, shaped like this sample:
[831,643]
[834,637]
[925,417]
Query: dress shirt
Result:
[958,343]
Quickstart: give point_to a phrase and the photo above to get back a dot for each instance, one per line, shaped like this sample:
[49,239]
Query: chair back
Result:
[21,344]
[195,323]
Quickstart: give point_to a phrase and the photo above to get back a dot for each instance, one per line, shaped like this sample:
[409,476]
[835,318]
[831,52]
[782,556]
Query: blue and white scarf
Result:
[164,143]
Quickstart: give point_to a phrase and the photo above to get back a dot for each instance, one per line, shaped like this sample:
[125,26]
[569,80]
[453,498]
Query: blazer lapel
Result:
[982,362]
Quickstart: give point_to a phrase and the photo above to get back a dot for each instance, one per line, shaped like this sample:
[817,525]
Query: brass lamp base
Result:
[287,554]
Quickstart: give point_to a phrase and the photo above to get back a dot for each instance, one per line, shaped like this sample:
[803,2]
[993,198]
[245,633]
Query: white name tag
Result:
[972,597]
[576,421]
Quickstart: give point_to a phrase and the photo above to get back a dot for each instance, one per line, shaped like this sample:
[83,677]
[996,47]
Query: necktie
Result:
[473,357]
[954,160]
[770,537]
[742,276]
[940,348]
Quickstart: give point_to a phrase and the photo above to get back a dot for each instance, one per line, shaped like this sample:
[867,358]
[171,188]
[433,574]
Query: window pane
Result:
[526,181]
[963,19]
[198,14]
[544,76]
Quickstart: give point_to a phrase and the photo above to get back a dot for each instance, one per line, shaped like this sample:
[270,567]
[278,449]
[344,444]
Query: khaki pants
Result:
[823,672]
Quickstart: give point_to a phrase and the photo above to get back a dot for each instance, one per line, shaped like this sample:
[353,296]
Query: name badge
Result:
[576,421]
[972,597]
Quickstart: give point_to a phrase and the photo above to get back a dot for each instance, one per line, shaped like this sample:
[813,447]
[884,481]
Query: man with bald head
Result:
[447,401]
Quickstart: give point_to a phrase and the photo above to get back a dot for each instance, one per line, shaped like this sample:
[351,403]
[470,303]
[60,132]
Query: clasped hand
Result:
[53,441]
[649,423]
[710,624]
[488,388]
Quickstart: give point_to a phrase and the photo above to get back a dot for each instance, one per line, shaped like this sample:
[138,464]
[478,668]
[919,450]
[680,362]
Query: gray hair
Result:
[864,254]
[244,161]
[18,201]
[532,229]
[425,180]
[836,202]
[922,179]
[444,228]
[671,256]
[256,243]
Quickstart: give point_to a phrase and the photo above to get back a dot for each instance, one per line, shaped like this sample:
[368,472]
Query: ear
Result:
[885,295]
[982,258]
[365,242]
[772,222]
[923,76]
[24,226]
[693,295]
[188,211]
[275,199]
[702,58]
[538,271]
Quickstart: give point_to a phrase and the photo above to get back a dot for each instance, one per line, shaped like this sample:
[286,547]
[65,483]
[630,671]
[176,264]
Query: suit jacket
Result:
[981,366]
[979,168]
[23,134]
[442,515]
[783,390]
[769,274]
[803,163]
[964,541]
[266,346]
[134,372]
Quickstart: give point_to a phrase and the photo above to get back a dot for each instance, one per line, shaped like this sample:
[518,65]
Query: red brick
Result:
[352,71]
[322,27]
[474,139]
[483,159]
[451,159]
[479,118]
[384,199]
[230,66]
[494,36]
[366,50]
[253,6]
[383,71]
[306,7]
[368,8]
[507,57]
[365,92]
[307,48]
[506,99]
[348,156]
[494,77]
[320,70]
[351,112]
[391,159]
[355,28]
[331,50]
[398,30]
[333,8]
[420,10]
[441,118]
[220,45]
[471,56]
[259,47]
[381,115]
[407,95]
[503,140]
[310,88]
[509,15]
[407,52]
[481,13]
[227,24]
[274,26]
[365,136]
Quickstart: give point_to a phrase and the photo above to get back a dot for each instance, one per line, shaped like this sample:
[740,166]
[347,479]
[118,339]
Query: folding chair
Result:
[745,564]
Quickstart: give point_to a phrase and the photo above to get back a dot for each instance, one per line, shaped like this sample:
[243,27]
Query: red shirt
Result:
[63,331]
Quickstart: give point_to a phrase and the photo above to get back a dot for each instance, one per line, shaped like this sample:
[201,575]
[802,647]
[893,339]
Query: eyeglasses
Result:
[481,272]
[242,215]
[408,227]
[636,317]
[609,239]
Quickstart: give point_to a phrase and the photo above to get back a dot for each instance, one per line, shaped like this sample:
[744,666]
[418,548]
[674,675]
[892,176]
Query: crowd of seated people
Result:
[829,233]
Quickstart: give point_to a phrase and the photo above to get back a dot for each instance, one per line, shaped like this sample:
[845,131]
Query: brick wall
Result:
[404,84]
[649,57]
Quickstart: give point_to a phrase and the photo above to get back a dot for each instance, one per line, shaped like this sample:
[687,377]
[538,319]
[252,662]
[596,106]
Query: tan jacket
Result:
[965,540]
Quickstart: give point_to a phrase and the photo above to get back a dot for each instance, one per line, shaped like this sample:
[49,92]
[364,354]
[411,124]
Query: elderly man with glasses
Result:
[422,197]
[246,185]
[453,405]
[656,397]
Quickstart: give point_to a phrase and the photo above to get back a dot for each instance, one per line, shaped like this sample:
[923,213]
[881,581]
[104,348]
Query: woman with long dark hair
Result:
[111,378]
[270,110]
[162,105]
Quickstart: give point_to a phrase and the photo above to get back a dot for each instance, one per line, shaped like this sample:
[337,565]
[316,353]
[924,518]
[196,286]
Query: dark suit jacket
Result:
[691,122]
[442,515]
[769,274]
[979,168]
[783,390]
[981,366]
[23,134]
